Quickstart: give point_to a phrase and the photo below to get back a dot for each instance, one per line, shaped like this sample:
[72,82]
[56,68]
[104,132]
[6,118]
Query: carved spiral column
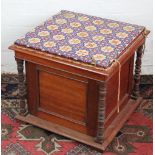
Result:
[101,113]
[21,86]
[136,90]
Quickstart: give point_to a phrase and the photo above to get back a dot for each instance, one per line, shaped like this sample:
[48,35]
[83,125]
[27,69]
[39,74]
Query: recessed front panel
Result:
[62,96]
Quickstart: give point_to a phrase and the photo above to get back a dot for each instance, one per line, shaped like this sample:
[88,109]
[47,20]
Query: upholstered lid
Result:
[81,37]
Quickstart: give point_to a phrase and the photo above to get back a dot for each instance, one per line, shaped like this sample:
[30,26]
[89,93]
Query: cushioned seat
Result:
[81,37]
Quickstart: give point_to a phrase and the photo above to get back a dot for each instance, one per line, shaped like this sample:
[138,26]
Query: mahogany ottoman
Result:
[79,75]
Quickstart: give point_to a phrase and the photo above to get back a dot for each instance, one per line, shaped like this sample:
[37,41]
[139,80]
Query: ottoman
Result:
[79,75]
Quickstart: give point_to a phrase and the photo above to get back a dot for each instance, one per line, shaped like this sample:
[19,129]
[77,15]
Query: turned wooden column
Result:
[101,113]
[21,86]
[136,89]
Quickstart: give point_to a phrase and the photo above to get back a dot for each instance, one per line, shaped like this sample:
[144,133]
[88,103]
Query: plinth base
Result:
[110,132]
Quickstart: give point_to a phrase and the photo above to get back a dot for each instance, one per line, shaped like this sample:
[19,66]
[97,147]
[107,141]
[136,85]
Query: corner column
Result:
[101,113]
[136,89]
[21,86]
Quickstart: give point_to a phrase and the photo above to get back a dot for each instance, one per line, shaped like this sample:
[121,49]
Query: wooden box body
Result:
[81,101]
[71,100]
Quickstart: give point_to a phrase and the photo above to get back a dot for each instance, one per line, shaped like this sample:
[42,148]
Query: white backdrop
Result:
[19,16]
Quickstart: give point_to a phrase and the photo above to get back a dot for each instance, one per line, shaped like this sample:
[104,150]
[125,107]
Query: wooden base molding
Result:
[109,133]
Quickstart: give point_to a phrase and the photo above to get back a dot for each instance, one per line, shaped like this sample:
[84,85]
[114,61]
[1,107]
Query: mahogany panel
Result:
[92,107]
[125,70]
[62,96]
[114,112]
[32,94]
[126,75]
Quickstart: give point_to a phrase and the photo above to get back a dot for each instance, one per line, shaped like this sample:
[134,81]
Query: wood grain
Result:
[63,96]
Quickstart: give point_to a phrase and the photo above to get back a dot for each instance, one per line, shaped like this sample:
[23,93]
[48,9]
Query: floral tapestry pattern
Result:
[82,37]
